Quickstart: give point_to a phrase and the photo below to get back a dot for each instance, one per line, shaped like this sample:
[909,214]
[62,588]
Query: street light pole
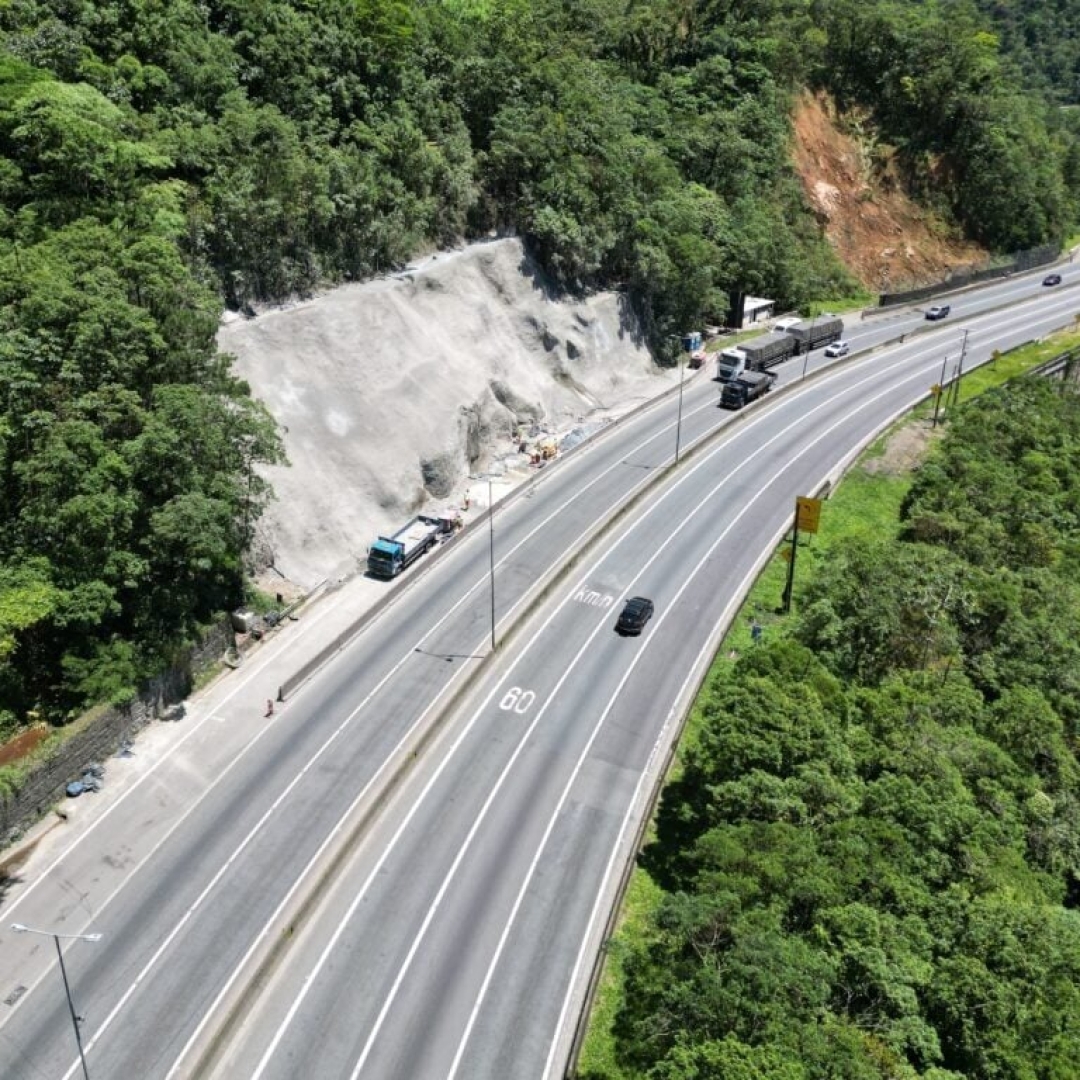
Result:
[806,360]
[678,423]
[960,370]
[491,559]
[19,928]
[942,391]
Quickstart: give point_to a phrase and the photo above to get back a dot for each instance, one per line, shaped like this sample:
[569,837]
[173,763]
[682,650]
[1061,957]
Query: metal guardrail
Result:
[1065,365]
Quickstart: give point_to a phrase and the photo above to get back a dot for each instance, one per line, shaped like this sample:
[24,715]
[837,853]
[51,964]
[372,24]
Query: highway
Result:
[417,853]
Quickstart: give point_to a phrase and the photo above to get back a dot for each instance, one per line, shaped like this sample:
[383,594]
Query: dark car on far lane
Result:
[1052,279]
[938,311]
[633,617]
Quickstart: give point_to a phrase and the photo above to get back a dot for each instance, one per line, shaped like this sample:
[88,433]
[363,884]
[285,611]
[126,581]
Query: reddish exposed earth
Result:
[853,183]
[23,744]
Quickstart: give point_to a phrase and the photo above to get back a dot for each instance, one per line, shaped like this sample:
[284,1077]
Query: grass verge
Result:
[597,1057]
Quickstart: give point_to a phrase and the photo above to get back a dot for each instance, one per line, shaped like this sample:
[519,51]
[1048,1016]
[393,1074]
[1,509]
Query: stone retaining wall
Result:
[102,736]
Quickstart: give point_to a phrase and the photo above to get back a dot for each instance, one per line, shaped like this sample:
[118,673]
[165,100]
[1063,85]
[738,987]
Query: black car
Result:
[1052,279]
[635,615]
[938,311]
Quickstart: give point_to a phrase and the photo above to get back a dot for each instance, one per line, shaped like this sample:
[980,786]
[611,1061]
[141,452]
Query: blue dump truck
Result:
[389,555]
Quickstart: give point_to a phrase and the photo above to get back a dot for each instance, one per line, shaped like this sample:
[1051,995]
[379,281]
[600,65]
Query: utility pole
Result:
[491,559]
[941,389]
[960,369]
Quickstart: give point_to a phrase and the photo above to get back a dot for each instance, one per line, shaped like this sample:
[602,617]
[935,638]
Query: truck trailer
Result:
[389,555]
[810,333]
[754,355]
[764,352]
[749,386]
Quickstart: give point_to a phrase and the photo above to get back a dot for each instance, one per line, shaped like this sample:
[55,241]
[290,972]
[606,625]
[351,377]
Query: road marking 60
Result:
[517,700]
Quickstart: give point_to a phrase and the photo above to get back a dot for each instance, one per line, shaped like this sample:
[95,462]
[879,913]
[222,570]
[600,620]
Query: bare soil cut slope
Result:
[853,183]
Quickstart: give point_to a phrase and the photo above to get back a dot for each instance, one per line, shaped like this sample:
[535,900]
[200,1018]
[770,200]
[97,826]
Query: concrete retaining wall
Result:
[1017,263]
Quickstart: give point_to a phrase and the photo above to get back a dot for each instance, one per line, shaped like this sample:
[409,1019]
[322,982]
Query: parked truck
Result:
[810,333]
[730,364]
[389,555]
[754,355]
[749,386]
[796,338]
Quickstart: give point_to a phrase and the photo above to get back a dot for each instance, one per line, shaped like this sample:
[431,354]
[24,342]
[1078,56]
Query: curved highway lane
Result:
[458,941]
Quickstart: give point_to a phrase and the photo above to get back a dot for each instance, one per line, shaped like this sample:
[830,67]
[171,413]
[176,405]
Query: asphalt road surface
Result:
[405,871]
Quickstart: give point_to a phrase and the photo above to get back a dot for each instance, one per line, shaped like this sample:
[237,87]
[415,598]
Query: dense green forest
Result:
[1043,38]
[969,141]
[870,859]
[160,158]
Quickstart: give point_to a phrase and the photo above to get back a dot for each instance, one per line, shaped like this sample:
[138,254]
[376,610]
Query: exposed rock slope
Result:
[391,393]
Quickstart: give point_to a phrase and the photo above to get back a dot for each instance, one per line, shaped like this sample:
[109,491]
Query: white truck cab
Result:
[730,364]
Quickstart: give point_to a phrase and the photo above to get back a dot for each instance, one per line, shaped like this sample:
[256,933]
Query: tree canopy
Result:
[646,146]
[870,858]
[160,159]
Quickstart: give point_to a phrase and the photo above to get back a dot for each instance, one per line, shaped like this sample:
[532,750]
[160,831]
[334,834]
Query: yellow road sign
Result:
[808,513]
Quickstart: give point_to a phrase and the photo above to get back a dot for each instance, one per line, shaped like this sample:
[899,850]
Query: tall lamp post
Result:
[19,928]
[809,347]
[941,391]
[678,423]
[491,559]
[960,369]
